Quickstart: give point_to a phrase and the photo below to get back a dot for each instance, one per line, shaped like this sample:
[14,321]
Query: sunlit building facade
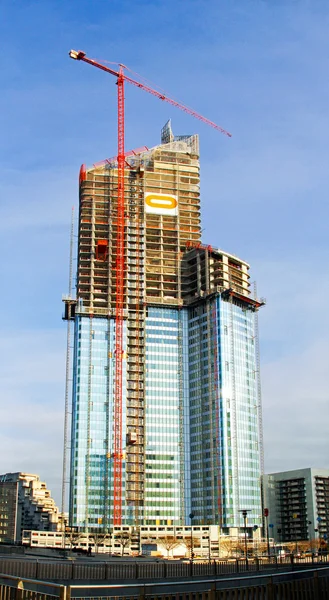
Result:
[190,403]
[298,505]
[25,504]
[224,413]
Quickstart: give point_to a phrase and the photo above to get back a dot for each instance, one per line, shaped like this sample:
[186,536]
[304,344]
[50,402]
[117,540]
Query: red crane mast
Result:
[120,273]
[120,259]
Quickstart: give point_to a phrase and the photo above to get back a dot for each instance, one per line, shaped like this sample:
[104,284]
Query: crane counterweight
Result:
[77,54]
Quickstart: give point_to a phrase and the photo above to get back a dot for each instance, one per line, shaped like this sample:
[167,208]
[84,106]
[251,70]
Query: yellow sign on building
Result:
[161,204]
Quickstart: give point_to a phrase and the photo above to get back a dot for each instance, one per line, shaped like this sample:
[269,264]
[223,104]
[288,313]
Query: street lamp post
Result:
[309,531]
[295,516]
[255,547]
[191,516]
[279,531]
[271,527]
[266,511]
[319,533]
[315,542]
[244,515]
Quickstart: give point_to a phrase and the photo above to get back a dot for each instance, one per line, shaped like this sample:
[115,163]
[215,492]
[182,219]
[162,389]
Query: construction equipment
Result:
[121,77]
[68,308]
[120,260]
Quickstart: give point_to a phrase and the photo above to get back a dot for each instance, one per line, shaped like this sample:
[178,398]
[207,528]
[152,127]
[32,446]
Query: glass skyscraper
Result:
[190,404]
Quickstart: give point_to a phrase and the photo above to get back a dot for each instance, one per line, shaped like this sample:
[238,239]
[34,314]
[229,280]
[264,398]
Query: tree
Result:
[232,547]
[169,542]
[226,547]
[98,538]
[300,546]
[73,538]
[191,543]
[303,545]
[124,538]
[239,548]
[313,544]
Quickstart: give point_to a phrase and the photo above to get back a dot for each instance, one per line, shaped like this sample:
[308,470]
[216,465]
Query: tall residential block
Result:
[191,410]
[298,504]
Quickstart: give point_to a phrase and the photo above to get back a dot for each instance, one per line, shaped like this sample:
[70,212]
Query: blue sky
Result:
[256,67]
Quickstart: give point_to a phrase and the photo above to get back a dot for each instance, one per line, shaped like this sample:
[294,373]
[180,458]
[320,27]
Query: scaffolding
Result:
[162,170]
[152,248]
[135,350]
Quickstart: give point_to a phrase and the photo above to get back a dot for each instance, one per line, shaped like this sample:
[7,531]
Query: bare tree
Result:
[238,548]
[98,539]
[124,538]
[191,543]
[169,542]
[292,546]
[73,538]
[226,546]
[260,547]
[303,545]
[313,545]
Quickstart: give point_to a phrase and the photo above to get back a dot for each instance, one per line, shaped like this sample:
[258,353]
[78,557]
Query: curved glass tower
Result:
[190,405]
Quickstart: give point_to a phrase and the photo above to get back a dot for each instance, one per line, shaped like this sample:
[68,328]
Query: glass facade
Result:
[204,442]
[200,417]
[91,494]
[239,410]
[166,402]
[225,454]
[166,420]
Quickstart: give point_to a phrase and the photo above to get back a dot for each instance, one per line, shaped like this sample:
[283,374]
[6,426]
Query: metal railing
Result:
[309,585]
[102,570]
[16,588]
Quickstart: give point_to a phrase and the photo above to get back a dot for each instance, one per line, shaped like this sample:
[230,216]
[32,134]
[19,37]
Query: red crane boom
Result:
[79,55]
[120,260]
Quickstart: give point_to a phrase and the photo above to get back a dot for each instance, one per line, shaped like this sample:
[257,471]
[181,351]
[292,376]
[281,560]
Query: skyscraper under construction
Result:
[187,407]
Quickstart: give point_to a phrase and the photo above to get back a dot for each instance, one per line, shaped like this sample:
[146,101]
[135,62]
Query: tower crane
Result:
[120,259]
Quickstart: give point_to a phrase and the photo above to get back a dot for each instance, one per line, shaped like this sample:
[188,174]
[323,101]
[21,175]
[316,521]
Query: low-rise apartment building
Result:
[298,504]
[25,504]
